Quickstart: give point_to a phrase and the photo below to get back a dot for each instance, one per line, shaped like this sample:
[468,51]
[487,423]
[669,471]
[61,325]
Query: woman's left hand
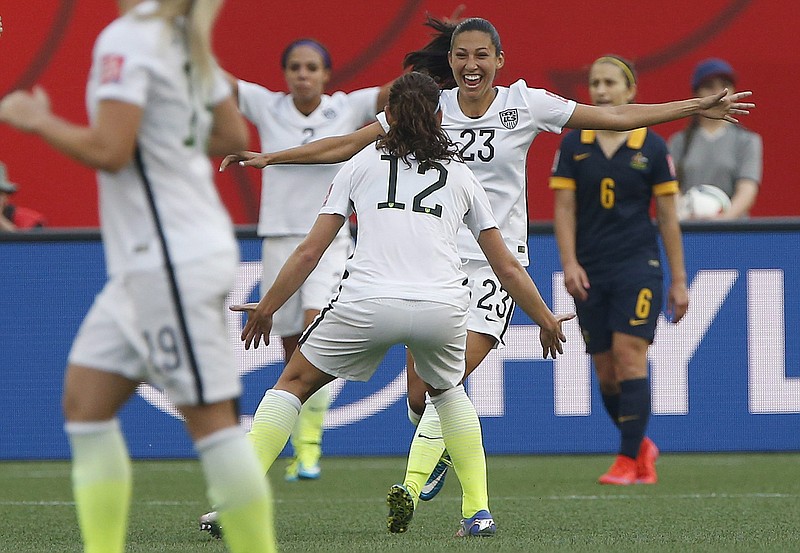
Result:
[258,326]
[724,106]
[24,110]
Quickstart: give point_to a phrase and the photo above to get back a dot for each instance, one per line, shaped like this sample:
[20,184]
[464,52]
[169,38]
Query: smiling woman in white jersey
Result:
[158,107]
[290,200]
[484,119]
[404,284]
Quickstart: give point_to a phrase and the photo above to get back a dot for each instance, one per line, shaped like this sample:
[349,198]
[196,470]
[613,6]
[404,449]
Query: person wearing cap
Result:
[12,217]
[717,152]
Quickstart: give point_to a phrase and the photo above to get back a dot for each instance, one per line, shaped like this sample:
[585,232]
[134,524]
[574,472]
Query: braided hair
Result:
[416,132]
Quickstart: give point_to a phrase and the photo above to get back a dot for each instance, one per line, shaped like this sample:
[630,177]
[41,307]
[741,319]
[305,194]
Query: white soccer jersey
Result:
[292,195]
[495,146]
[140,60]
[408,219]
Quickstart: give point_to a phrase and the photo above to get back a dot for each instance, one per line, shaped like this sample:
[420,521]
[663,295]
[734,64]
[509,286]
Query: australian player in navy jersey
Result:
[495,127]
[158,106]
[604,184]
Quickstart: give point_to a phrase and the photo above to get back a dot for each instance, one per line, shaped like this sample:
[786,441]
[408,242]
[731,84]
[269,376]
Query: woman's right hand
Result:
[576,282]
[246,159]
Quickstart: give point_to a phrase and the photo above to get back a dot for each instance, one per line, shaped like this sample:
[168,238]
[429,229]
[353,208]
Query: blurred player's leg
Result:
[306,436]
[101,483]
[237,488]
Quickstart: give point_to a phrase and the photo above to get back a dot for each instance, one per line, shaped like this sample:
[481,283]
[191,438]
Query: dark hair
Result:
[431,59]
[626,66]
[315,44]
[414,103]
[478,24]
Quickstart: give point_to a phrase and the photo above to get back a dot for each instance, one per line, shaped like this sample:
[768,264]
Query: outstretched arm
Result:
[107,144]
[516,280]
[634,116]
[334,149]
[293,274]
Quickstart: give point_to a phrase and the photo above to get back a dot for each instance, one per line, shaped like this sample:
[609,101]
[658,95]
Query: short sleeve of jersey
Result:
[550,111]
[220,88]
[337,202]
[121,64]
[663,179]
[254,99]
[381,117]
[364,102]
[751,158]
[480,216]
[563,173]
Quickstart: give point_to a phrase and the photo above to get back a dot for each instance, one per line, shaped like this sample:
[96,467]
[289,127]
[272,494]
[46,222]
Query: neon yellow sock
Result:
[101,484]
[238,491]
[307,434]
[272,424]
[426,450]
[461,430]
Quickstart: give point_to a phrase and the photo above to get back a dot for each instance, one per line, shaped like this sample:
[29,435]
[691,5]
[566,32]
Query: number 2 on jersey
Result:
[391,201]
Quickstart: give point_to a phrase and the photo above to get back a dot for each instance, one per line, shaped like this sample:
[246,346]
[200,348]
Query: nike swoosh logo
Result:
[637,322]
[627,418]
[579,157]
[491,319]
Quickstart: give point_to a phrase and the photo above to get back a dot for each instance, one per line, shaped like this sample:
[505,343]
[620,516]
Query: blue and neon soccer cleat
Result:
[296,470]
[308,473]
[481,524]
[436,480]
[401,509]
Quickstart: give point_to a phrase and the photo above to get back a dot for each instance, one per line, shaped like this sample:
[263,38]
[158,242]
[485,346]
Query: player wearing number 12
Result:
[604,183]
[404,284]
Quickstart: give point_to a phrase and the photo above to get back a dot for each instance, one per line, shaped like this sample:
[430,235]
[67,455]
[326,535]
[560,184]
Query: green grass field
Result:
[720,502]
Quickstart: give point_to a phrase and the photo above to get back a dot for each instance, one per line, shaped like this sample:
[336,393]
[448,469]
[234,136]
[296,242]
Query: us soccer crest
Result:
[509,118]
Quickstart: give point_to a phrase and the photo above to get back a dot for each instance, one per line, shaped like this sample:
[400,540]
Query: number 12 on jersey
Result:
[391,200]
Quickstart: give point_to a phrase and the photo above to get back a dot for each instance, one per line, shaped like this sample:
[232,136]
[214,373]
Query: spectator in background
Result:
[717,152]
[12,217]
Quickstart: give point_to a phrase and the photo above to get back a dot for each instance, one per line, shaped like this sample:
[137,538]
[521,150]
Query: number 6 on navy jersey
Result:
[391,201]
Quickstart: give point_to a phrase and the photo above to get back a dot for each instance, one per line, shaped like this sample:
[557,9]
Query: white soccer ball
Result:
[703,201]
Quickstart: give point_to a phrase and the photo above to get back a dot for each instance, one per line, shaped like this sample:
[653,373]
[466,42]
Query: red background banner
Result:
[548,43]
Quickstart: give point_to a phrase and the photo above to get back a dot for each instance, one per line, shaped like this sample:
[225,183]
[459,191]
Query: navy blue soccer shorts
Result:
[623,301]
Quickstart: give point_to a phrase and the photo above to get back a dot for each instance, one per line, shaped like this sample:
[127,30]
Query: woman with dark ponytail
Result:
[403,285]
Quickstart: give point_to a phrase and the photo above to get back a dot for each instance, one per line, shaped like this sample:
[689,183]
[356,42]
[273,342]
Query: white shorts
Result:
[490,306]
[133,329]
[318,289]
[349,339]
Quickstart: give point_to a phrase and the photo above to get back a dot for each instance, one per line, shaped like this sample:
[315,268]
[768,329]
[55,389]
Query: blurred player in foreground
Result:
[158,107]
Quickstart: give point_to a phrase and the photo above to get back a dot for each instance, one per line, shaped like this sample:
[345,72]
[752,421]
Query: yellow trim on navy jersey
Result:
[587,137]
[636,139]
[562,183]
[665,188]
